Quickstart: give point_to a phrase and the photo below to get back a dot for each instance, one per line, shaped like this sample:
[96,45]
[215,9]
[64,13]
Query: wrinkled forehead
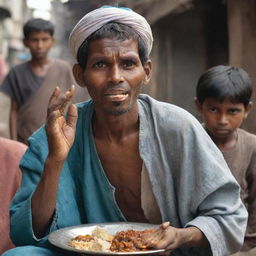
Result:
[112,46]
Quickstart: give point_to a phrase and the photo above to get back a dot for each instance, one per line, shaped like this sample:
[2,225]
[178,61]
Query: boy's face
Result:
[39,44]
[222,118]
[113,75]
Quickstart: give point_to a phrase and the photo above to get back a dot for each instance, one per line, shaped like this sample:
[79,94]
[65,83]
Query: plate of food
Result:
[113,238]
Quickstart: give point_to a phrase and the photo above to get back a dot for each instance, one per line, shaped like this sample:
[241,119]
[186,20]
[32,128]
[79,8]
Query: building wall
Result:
[242,45]
[186,43]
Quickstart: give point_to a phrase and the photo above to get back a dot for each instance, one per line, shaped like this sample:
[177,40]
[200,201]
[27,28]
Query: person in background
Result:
[10,178]
[124,156]
[3,68]
[30,84]
[223,98]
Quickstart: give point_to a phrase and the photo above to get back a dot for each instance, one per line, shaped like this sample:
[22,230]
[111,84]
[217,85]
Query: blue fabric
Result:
[37,251]
[189,176]
[85,194]
[109,6]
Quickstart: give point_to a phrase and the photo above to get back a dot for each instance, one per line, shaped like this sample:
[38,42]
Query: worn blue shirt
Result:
[189,176]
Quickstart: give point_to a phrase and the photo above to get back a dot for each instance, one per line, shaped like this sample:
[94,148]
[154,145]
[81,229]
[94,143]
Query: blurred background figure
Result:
[4,100]
[29,84]
[3,68]
[10,177]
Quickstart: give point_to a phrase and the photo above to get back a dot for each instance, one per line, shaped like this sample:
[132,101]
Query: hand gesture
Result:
[60,130]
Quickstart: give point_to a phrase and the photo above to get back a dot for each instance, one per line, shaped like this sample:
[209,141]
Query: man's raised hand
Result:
[60,130]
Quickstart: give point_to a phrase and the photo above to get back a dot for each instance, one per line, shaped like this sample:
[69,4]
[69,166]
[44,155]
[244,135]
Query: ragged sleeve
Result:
[32,165]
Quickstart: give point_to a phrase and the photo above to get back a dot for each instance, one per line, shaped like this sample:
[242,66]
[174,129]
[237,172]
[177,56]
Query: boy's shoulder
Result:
[20,67]
[247,138]
[246,134]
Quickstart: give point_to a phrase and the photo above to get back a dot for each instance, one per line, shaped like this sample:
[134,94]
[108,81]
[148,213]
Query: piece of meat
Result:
[130,241]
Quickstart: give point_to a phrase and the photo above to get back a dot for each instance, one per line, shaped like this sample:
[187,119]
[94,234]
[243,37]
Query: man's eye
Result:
[128,63]
[99,64]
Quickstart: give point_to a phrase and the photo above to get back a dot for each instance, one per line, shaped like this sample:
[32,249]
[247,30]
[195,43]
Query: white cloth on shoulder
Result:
[97,18]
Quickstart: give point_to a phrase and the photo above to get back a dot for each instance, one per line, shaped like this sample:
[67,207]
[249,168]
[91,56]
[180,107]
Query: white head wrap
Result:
[97,18]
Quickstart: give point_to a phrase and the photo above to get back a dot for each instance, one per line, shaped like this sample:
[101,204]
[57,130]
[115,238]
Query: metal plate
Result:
[61,237]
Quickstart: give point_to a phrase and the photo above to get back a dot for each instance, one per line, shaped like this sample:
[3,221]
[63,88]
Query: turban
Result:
[97,18]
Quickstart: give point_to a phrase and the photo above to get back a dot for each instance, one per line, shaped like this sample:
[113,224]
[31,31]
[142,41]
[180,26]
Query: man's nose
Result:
[116,75]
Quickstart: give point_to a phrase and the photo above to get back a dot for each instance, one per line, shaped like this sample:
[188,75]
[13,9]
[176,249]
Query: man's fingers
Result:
[166,224]
[60,103]
[55,95]
[66,98]
[72,90]
[72,115]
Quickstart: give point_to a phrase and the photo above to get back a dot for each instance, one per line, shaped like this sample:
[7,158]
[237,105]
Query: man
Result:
[30,84]
[124,156]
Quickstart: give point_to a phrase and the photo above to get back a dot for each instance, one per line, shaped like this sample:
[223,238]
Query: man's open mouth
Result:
[117,96]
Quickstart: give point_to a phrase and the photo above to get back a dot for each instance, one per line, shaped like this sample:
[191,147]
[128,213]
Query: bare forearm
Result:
[192,237]
[44,198]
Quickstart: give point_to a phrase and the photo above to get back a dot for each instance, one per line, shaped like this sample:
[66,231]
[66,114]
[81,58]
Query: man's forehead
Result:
[106,46]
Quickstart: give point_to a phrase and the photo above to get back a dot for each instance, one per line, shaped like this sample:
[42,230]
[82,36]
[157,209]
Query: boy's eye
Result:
[233,111]
[213,110]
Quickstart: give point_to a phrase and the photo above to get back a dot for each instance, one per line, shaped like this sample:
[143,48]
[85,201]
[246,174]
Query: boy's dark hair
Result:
[225,82]
[37,25]
[112,30]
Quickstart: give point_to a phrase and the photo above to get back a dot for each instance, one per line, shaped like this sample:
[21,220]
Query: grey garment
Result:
[251,252]
[191,181]
[20,83]
[241,160]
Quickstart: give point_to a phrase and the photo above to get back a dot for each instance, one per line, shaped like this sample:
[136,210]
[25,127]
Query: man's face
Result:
[39,44]
[222,118]
[114,75]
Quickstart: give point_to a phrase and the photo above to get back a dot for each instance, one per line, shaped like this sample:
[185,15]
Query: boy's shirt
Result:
[32,93]
[21,83]
[241,160]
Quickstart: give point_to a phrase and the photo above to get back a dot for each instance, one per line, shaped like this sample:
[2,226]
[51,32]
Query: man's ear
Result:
[198,105]
[148,70]
[78,75]
[247,109]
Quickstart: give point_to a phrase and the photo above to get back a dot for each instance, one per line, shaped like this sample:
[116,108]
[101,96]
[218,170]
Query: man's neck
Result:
[115,128]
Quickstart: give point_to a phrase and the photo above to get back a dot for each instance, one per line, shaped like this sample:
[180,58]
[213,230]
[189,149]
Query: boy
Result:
[223,96]
[29,85]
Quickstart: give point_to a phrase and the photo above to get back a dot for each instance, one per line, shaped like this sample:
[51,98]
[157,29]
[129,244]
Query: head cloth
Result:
[97,18]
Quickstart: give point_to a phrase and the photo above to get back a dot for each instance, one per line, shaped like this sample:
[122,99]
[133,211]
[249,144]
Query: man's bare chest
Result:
[122,166]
